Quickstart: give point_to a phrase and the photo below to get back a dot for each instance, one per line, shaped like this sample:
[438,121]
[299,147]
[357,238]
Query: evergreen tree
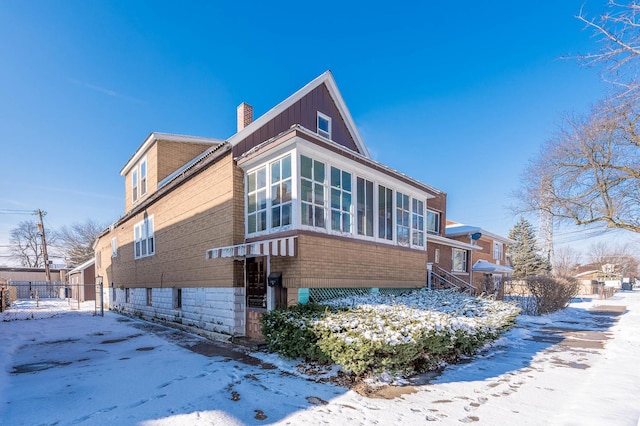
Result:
[524,252]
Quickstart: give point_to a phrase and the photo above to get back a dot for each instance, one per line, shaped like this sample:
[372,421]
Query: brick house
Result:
[289,209]
[490,259]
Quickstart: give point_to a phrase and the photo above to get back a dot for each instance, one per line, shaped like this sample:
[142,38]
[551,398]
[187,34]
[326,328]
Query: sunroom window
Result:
[281,192]
[385,213]
[417,222]
[402,218]
[340,200]
[364,190]
[257,200]
[312,183]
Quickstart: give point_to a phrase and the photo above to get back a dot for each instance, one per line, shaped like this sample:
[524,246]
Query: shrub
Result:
[409,333]
[551,294]
[289,331]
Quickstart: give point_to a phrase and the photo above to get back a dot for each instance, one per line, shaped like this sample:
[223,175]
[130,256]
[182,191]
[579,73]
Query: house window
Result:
[114,247]
[497,251]
[281,192]
[433,222]
[177,298]
[144,238]
[139,180]
[340,200]
[364,190]
[385,213]
[402,218]
[312,188]
[417,222]
[436,258]
[459,260]
[98,260]
[134,184]
[257,200]
[143,177]
[324,125]
[127,295]
[149,296]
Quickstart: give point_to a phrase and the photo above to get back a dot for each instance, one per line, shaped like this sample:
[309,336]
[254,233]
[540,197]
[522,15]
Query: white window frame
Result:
[134,185]
[436,215]
[342,207]
[144,238]
[403,219]
[454,265]
[143,176]
[327,119]
[281,197]
[365,207]
[139,180]
[260,193]
[318,203]
[498,250]
[114,247]
[385,215]
[417,222]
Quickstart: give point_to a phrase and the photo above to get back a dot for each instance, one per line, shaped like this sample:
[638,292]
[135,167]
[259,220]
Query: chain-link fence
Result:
[43,299]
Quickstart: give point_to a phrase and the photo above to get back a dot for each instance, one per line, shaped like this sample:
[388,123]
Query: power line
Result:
[10,211]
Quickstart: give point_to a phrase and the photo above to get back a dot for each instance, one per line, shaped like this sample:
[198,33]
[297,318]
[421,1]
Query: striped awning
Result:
[276,247]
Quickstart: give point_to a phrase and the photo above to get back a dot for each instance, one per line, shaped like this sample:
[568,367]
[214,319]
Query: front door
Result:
[256,282]
[256,276]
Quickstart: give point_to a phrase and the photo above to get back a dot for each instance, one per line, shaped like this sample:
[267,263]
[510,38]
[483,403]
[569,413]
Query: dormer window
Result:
[139,180]
[324,125]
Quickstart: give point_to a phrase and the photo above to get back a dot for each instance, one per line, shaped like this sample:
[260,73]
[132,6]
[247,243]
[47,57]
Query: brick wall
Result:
[196,216]
[173,155]
[325,261]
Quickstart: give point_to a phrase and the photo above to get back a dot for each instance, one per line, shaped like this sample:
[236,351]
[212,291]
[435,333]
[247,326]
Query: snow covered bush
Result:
[289,331]
[409,333]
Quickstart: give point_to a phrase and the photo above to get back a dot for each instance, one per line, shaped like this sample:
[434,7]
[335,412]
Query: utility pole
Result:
[40,213]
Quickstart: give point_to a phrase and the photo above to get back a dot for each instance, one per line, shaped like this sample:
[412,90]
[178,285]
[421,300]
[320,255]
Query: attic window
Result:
[324,125]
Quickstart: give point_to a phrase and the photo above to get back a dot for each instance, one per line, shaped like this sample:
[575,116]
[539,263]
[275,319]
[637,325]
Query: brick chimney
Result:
[245,115]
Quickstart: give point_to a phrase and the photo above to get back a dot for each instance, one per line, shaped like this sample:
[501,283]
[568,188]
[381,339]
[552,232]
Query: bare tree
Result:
[621,256]
[589,173]
[565,261]
[26,244]
[77,240]
[618,35]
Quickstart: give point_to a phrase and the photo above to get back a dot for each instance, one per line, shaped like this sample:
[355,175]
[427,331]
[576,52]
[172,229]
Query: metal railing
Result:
[442,279]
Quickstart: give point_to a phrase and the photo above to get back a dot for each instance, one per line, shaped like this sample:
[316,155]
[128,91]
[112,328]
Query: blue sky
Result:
[459,96]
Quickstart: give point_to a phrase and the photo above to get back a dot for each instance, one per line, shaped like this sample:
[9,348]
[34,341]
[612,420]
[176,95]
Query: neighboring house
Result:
[289,209]
[82,281]
[490,262]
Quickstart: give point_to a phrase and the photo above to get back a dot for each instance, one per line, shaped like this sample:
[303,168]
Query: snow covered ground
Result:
[580,366]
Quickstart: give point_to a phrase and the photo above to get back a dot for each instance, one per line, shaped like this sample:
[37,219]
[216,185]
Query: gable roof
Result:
[84,266]
[325,78]
[155,136]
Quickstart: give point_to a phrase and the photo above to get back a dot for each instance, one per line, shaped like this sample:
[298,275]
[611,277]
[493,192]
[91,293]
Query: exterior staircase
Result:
[441,280]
